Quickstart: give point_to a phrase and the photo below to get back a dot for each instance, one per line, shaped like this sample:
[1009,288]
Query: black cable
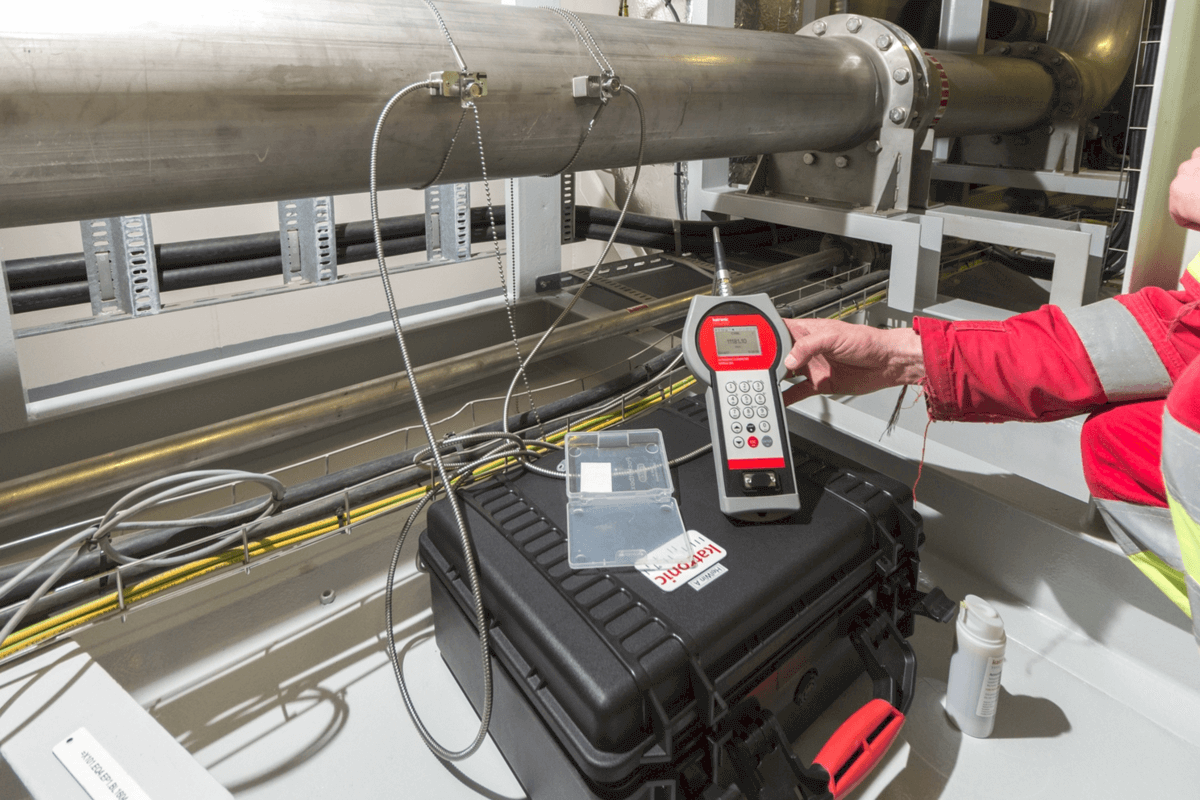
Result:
[326,495]
[44,270]
[184,271]
[674,13]
[320,497]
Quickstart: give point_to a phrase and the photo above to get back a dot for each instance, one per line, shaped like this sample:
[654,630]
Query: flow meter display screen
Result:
[737,341]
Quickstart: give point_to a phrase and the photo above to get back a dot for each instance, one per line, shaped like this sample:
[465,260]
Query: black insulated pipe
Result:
[56,281]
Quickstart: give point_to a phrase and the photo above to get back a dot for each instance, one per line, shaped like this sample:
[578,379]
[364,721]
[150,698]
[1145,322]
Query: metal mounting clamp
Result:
[467,86]
[604,87]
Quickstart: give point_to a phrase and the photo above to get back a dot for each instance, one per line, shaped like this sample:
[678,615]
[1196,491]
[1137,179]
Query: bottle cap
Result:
[978,618]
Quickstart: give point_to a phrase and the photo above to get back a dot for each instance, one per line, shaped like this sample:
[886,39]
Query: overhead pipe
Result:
[236,101]
[232,101]
[1089,49]
[60,487]
[1100,37]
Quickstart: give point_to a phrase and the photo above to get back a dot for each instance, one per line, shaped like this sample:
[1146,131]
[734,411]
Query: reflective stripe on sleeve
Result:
[1122,354]
[1138,529]
[1180,459]
[1170,582]
[1148,536]
[1193,588]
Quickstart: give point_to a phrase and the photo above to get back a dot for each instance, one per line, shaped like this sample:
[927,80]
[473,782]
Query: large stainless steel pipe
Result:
[62,487]
[1101,39]
[989,94]
[231,101]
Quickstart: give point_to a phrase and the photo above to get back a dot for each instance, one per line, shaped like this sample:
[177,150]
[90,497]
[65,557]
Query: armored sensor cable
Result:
[585,35]
[468,550]
[119,517]
[603,254]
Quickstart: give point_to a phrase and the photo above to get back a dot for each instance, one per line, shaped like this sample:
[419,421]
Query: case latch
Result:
[763,761]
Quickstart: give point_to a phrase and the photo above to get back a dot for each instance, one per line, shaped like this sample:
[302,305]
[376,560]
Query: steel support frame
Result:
[963,29]
[535,232]
[1077,247]
[916,242]
[964,25]
[1090,182]
[448,222]
[12,391]
[308,240]
[915,239]
[1157,245]
[122,274]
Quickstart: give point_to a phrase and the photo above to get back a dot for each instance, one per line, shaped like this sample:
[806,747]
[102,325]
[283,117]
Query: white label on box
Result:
[674,567]
[708,576]
[97,772]
[595,476]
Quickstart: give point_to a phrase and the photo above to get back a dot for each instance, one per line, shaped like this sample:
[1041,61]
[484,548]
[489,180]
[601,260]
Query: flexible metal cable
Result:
[637,172]
[186,483]
[462,65]
[468,551]
[116,518]
[505,284]
[585,36]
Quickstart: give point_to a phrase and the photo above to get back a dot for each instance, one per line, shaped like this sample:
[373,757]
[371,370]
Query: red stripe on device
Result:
[755,463]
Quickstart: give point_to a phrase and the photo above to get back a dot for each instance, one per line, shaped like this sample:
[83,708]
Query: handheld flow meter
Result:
[735,345]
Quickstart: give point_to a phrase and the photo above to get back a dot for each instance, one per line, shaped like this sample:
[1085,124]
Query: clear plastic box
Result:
[620,507]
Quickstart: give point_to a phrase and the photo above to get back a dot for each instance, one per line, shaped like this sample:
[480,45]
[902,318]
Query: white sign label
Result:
[595,476]
[682,567]
[708,576]
[991,688]
[97,772]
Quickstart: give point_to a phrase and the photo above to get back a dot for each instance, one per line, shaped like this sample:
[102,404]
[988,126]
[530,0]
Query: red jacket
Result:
[1124,361]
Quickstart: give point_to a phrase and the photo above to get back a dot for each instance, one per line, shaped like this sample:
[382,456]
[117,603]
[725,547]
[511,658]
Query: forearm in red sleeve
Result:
[1048,364]
[1029,367]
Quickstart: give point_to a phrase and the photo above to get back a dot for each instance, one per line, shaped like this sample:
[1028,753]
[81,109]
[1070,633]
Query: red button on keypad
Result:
[752,441]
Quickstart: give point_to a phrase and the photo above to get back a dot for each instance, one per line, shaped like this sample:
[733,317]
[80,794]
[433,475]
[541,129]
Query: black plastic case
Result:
[609,687]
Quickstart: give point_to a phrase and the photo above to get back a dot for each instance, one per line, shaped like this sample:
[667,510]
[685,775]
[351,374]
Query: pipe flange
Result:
[1068,84]
[900,65]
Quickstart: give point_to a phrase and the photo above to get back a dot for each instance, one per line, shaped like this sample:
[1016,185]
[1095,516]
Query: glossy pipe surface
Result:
[61,487]
[992,94]
[233,101]
[1101,39]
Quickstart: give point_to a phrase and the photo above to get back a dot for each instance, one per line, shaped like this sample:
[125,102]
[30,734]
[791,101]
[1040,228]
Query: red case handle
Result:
[858,745]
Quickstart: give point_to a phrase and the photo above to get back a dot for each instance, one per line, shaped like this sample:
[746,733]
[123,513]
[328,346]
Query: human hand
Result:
[843,358]
[1185,193]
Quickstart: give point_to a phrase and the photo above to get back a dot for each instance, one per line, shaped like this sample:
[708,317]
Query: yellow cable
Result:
[86,612]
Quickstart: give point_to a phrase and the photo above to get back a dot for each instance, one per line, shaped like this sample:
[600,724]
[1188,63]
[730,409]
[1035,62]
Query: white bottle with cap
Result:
[974,685]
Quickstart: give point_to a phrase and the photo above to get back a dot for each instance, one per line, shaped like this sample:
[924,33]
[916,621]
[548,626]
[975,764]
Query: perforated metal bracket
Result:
[308,240]
[567,182]
[118,253]
[466,86]
[448,222]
